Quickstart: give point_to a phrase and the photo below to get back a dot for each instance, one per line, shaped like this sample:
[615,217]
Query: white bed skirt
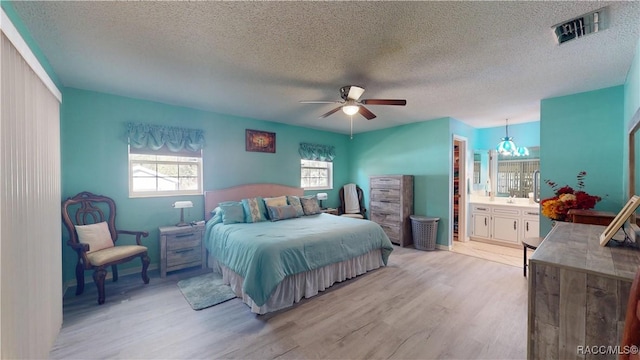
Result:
[304,285]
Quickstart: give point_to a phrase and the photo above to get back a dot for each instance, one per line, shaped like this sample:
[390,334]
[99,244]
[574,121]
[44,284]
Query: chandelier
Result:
[507,147]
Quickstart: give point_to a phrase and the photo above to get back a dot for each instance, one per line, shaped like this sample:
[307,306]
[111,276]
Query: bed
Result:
[273,265]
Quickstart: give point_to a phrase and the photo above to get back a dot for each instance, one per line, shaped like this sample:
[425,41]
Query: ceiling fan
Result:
[350,104]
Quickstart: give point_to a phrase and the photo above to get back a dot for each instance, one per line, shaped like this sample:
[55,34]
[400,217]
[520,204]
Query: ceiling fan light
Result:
[350,109]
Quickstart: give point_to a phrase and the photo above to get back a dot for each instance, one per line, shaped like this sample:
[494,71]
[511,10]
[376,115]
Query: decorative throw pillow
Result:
[254,210]
[276,201]
[97,236]
[282,212]
[295,202]
[232,212]
[310,205]
[216,216]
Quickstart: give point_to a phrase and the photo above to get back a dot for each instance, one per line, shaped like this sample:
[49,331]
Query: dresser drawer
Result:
[385,195]
[184,257]
[385,183]
[385,218]
[385,207]
[392,231]
[181,241]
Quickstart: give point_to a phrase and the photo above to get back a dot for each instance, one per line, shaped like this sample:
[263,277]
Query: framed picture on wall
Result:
[260,141]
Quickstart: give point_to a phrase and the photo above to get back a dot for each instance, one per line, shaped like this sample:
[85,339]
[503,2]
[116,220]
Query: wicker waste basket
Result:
[425,232]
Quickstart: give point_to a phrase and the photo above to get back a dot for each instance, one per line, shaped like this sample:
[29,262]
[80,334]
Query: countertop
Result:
[502,201]
[577,246]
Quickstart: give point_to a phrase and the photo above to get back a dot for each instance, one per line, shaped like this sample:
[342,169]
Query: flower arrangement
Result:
[566,198]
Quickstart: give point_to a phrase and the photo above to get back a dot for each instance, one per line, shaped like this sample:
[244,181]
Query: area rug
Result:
[206,290]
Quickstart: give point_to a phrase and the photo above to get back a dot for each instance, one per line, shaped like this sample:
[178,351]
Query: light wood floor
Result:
[424,305]
[497,253]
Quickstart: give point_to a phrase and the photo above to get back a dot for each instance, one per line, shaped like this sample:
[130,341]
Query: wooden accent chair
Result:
[90,220]
[363,210]
[631,333]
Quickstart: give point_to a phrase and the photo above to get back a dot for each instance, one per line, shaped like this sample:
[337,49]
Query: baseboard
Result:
[88,279]
[444,247]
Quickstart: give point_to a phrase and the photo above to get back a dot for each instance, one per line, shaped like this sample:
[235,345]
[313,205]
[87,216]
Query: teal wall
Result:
[583,132]
[524,134]
[423,150]
[94,158]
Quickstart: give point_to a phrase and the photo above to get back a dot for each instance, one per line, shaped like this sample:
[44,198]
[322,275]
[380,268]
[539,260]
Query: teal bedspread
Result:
[264,253]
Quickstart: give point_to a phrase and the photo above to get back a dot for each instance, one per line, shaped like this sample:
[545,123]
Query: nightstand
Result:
[181,247]
[331,211]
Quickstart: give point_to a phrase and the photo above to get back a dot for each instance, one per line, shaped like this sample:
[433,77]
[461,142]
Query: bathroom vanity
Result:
[504,221]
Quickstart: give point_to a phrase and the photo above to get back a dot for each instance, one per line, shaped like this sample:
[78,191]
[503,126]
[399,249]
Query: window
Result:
[316,175]
[164,175]
[515,177]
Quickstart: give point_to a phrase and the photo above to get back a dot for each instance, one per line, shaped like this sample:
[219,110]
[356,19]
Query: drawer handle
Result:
[382,190]
[527,226]
[481,208]
[184,235]
[485,221]
[532,213]
[183,251]
[514,224]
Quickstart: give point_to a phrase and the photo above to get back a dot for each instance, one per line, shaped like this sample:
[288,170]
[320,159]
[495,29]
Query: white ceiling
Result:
[478,62]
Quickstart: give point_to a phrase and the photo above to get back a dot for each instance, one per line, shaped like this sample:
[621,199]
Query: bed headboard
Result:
[213,197]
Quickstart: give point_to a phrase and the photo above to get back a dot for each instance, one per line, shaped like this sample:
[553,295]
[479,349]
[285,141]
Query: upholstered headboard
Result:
[213,197]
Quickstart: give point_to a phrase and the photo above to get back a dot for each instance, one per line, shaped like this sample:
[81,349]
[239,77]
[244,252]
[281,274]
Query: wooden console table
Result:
[591,217]
[578,292]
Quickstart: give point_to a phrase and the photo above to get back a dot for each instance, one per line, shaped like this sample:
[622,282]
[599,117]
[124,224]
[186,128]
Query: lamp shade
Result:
[182,204]
[322,196]
[506,146]
[350,109]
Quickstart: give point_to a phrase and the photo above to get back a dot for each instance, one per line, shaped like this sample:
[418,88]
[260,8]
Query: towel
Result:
[351,203]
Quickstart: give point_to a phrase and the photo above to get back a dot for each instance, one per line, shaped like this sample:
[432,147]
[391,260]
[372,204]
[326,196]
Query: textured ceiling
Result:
[478,62]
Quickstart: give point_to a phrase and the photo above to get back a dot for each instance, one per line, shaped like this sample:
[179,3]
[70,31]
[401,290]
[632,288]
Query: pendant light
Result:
[507,147]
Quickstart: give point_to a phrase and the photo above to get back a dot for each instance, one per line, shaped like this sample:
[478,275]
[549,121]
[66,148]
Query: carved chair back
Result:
[360,200]
[87,208]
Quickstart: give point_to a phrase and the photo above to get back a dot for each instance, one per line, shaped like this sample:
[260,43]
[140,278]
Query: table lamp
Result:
[181,205]
[321,196]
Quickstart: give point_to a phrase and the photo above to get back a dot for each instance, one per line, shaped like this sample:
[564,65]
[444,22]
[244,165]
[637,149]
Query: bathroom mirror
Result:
[510,175]
[477,167]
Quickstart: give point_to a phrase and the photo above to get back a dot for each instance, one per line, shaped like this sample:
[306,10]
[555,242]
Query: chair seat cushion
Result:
[355,216]
[113,254]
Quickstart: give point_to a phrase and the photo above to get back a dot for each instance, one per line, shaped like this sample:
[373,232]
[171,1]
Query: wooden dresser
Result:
[391,204]
[578,293]
[181,247]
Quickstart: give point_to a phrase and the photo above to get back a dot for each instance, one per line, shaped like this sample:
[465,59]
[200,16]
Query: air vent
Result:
[580,26]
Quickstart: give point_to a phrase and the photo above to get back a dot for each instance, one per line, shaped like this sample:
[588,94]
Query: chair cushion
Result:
[113,254]
[355,216]
[96,235]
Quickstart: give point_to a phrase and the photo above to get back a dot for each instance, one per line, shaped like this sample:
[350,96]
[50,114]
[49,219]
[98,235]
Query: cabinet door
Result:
[530,228]
[506,229]
[481,225]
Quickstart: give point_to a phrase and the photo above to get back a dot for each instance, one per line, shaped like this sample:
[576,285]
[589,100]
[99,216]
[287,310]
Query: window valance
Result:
[155,137]
[317,152]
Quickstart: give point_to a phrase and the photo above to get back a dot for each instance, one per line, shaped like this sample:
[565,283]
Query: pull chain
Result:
[351,127]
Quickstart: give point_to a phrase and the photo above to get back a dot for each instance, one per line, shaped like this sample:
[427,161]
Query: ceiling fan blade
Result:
[400,102]
[330,112]
[318,102]
[355,92]
[366,113]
